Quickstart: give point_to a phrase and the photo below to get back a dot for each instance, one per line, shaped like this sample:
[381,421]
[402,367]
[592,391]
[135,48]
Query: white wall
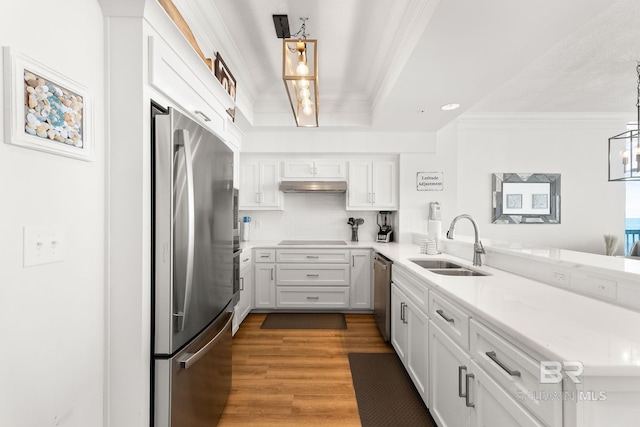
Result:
[318,140]
[575,147]
[52,315]
[309,216]
[323,216]
[414,204]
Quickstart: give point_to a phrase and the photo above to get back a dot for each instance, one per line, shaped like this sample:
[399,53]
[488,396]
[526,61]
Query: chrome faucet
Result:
[478,249]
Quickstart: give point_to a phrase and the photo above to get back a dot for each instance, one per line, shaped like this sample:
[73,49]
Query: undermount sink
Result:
[447,268]
[435,263]
[456,272]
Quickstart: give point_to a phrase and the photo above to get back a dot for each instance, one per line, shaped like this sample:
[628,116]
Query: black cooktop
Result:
[312,242]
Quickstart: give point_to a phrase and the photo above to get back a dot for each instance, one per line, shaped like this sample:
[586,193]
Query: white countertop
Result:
[557,324]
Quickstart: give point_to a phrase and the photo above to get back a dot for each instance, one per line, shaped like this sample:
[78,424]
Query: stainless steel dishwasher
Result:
[382,295]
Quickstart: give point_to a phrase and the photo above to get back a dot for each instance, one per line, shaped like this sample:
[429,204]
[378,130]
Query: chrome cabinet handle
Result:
[313,256]
[246,259]
[314,298]
[272,274]
[264,256]
[460,393]
[182,140]
[242,283]
[203,115]
[189,359]
[313,275]
[353,260]
[445,317]
[403,314]
[466,397]
[492,355]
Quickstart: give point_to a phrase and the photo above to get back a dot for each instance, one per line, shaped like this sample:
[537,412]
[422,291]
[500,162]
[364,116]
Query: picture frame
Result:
[228,82]
[45,110]
[526,198]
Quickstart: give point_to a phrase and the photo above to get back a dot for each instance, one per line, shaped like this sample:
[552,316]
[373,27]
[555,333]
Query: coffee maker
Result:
[384,221]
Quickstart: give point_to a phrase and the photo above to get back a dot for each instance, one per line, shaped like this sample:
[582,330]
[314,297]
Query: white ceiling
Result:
[391,64]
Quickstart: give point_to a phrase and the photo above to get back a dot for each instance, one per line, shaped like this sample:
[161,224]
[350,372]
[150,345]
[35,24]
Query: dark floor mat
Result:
[304,321]
[386,395]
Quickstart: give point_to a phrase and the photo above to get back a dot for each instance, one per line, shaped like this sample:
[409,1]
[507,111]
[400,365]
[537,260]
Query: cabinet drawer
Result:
[517,372]
[453,321]
[245,259]
[264,255]
[416,291]
[312,275]
[312,255]
[312,297]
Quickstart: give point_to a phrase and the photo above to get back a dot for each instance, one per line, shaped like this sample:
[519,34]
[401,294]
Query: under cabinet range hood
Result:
[313,186]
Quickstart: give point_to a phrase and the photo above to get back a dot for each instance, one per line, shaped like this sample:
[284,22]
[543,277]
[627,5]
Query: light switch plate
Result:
[43,245]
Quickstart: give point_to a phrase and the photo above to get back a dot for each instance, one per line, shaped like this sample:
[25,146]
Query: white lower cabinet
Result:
[492,405]
[265,285]
[448,366]
[245,304]
[462,394]
[409,337]
[361,283]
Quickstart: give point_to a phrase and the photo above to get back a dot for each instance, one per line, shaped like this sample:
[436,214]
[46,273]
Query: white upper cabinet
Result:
[259,182]
[372,185]
[305,169]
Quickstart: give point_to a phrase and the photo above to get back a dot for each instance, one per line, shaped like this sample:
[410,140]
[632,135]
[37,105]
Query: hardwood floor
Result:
[297,377]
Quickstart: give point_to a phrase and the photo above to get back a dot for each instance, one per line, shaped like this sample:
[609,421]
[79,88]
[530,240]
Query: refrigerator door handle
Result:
[191,358]
[182,140]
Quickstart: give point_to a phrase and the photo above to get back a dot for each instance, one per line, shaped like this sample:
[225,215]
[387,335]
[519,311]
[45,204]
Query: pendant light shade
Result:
[624,151]
[300,75]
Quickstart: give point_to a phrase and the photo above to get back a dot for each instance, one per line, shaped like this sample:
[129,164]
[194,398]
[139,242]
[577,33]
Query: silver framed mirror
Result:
[526,198]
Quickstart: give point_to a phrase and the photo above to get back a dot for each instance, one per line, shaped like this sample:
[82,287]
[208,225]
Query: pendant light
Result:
[300,75]
[624,152]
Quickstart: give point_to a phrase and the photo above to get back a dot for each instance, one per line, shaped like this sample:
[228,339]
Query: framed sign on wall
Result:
[429,181]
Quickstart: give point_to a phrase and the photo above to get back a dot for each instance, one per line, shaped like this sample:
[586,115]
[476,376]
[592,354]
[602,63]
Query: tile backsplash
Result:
[309,216]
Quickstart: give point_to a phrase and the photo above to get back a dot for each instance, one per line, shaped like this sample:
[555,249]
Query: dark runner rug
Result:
[386,395]
[304,321]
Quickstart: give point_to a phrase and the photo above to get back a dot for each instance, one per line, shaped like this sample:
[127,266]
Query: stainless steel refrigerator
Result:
[193,271]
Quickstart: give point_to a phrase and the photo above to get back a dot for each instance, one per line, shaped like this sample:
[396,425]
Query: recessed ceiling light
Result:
[449,107]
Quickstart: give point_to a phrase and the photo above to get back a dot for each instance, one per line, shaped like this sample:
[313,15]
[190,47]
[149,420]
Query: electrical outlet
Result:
[560,277]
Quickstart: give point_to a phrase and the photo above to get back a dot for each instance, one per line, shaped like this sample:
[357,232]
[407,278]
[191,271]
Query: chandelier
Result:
[624,151]
[300,75]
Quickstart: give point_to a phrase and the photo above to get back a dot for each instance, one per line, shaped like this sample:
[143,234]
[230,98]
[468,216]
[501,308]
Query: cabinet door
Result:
[417,348]
[269,184]
[398,326]
[449,365]
[325,169]
[385,194]
[246,293]
[298,169]
[265,285]
[249,194]
[361,280]
[493,406]
[360,191]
